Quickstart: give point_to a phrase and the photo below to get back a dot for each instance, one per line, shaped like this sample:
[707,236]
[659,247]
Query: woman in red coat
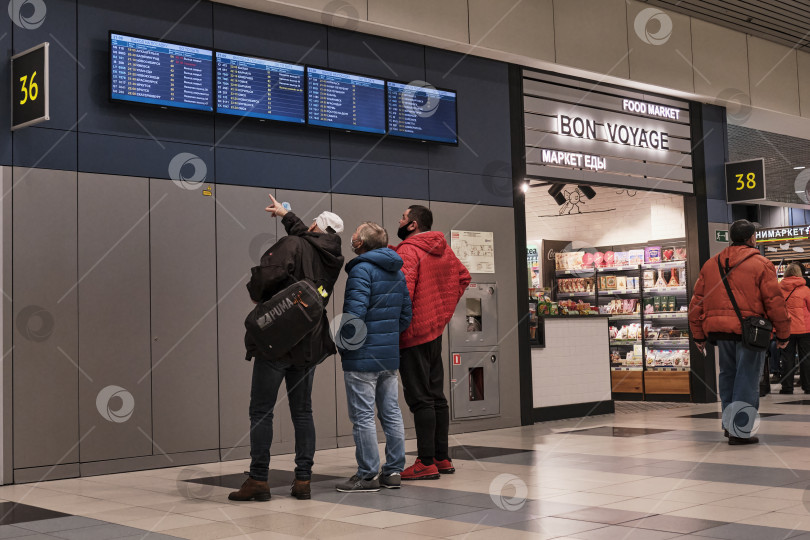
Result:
[797,298]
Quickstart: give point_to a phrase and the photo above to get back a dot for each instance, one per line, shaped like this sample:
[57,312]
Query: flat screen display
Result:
[160,73]
[423,113]
[259,88]
[344,101]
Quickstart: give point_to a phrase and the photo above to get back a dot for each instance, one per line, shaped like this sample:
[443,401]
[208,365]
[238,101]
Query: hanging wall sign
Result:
[29,87]
[745,181]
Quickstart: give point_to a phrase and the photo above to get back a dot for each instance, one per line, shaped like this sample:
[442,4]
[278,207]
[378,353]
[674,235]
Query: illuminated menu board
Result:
[341,100]
[260,88]
[159,73]
[423,113]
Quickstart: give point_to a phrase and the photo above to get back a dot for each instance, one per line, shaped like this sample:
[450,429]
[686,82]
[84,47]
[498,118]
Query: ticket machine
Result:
[474,358]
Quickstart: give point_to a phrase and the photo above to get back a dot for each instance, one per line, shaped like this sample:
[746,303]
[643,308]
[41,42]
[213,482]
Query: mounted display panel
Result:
[29,87]
[260,88]
[160,73]
[422,112]
[345,101]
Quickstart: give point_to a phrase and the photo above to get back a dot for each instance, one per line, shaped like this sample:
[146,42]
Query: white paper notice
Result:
[475,250]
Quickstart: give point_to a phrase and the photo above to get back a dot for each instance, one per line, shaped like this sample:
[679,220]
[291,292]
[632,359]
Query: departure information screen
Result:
[260,88]
[158,73]
[423,113]
[340,100]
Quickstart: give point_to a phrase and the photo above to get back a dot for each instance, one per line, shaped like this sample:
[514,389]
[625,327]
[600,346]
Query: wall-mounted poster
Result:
[475,250]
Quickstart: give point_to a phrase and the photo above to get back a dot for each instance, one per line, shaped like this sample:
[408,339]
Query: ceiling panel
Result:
[783,21]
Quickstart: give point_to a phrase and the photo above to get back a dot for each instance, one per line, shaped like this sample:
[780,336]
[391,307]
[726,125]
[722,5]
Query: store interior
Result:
[619,254]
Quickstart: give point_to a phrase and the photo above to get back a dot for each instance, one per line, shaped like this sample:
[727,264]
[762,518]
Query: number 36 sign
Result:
[29,87]
[745,181]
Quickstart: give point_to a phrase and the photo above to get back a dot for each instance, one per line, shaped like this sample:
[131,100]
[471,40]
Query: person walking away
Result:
[312,253]
[436,281]
[376,309]
[712,317]
[797,298]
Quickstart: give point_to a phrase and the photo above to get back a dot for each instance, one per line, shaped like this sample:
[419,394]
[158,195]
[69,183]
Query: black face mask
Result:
[403,231]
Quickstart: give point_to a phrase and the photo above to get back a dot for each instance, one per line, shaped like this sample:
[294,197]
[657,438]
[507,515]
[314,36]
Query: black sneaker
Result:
[787,391]
[355,484]
[391,481]
[734,441]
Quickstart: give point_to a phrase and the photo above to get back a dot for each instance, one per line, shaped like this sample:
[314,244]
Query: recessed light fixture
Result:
[798,168]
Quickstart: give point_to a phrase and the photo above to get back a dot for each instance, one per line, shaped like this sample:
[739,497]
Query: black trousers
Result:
[789,364]
[422,373]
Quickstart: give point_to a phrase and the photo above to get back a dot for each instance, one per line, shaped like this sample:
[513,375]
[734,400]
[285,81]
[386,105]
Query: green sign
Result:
[721,236]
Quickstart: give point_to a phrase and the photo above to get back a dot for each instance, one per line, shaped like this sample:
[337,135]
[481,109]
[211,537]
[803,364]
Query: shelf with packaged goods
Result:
[617,292]
[623,316]
[575,294]
[667,342]
[667,315]
[669,368]
[664,265]
[666,290]
[602,269]
[624,342]
[626,368]
[578,272]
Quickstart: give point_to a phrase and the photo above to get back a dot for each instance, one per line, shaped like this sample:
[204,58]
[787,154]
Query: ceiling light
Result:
[556,191]
[798,168]
[587,191]
[525,187]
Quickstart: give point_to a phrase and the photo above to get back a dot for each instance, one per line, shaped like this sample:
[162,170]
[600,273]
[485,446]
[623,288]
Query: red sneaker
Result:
[445,466]
[419,471]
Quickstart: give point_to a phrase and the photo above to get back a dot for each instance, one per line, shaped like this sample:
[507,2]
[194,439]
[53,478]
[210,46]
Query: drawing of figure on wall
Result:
[573,200]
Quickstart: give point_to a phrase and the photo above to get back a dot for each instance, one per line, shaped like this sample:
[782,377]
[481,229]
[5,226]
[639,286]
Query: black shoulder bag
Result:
[756,331]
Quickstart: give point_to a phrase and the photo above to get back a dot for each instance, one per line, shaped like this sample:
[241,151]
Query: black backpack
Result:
[279,324]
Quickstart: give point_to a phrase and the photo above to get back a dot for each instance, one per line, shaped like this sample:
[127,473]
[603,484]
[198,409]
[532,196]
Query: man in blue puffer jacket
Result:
[377,308]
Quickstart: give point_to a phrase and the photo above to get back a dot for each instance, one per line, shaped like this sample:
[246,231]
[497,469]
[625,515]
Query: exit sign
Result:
[721,236]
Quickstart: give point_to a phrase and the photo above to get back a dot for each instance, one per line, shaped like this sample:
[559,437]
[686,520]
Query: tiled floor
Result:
[640,474]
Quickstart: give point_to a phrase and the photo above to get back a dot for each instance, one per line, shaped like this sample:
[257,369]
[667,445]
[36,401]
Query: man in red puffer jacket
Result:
[752,279]
[797,298]
[436,280]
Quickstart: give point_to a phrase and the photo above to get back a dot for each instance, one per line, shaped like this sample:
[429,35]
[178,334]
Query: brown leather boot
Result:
[301,490]
[251,490]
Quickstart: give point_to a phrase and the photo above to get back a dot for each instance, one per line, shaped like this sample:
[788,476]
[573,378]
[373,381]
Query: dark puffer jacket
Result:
[377,297]
[756,290]
[301,254]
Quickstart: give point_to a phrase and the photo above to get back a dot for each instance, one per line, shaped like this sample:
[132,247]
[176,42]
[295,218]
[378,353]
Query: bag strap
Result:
[724,278]
[788,296]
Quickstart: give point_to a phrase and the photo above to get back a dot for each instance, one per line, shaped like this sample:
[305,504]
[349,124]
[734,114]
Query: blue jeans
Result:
[740,370]
[363,390]
[267,377]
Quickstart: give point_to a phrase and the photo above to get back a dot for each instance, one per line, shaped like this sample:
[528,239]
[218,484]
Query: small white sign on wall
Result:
[475,250]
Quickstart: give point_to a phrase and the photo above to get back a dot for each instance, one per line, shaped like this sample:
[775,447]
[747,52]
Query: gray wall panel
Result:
[184,323]
[354,210]
[357,178]
[451,216]
[128,156]
[45,318]
[8,329]
[114,333]
[244,232]
[470,188]
[263,169]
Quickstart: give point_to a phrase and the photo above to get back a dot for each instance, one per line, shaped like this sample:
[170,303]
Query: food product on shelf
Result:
[667,358]
[680,254]
[621,283]
[649,306]
[652,254]
[635,257]
[610,258]
[599,259]
[621,258]
[610,283]
[667,254]
[673,280]
[648,279]
[661,283]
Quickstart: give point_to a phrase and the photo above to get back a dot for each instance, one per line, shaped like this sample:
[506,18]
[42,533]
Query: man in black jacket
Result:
[312,253]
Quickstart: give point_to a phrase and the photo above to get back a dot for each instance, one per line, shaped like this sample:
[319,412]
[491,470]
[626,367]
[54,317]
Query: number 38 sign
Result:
[29,87]
[745,181]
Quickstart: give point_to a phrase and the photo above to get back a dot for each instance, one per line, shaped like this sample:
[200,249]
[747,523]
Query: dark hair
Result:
[422,216]
[741,230]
